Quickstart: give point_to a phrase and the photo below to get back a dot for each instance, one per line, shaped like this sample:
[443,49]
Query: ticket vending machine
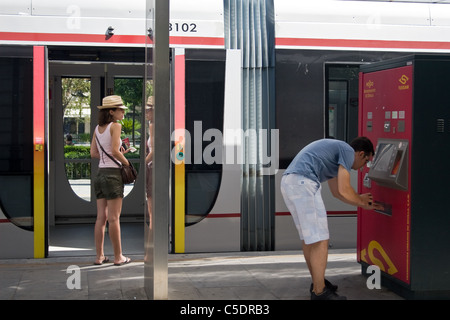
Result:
[405,111]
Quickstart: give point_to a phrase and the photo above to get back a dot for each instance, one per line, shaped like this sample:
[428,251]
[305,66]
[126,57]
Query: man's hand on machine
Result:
[369,204]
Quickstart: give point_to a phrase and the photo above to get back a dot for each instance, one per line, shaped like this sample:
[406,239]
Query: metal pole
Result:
[157,232]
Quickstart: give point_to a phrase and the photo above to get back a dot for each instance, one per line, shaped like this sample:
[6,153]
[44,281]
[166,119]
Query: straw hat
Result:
[111,102]
[150,102]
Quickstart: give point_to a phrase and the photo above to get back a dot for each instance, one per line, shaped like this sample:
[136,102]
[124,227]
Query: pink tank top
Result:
[105,140]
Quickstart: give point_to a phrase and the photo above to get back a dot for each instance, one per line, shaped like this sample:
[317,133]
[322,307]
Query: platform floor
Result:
[276,275]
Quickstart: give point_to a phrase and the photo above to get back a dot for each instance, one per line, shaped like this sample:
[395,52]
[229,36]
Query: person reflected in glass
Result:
[149,157]
[108,183]
[69,141]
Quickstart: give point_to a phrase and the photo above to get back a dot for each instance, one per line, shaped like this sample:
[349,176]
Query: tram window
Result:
[341,107]
[205,81]
[16,121]
[299,85]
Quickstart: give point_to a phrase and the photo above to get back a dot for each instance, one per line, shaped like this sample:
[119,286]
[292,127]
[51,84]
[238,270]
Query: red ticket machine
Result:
[405,112]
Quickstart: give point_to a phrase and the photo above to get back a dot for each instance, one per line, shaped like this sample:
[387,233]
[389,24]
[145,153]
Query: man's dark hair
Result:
[363,144]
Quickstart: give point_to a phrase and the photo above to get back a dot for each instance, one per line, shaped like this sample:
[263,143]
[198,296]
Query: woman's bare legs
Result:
[114,210]
[99,231]
[150,227]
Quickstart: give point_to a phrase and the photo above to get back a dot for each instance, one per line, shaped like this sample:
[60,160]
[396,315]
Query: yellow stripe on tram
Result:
[179,206]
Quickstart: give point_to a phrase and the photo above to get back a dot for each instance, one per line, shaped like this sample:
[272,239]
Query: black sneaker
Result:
[328,284]
[327,294]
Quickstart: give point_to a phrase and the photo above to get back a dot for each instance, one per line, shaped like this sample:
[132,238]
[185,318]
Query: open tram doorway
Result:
[76,89]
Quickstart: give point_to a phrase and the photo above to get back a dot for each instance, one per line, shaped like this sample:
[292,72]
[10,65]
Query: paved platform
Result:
[213,276]
[224,276]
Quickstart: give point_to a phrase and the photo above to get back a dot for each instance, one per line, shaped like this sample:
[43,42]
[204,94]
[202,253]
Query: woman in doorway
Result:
[108,183]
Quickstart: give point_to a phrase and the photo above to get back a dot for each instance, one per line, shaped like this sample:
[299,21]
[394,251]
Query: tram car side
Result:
[318,48]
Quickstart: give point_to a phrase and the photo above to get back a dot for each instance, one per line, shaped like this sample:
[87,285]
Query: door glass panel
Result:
[337,109]
[16,141]
[205,83]
[342,98]
[76,104]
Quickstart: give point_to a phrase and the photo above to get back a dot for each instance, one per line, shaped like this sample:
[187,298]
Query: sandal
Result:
[105,260]
[127,260]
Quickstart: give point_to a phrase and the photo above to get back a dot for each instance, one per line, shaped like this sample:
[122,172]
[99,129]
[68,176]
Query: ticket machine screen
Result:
[389,167]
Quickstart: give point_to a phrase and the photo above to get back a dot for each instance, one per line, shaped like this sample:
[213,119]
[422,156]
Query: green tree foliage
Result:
[131,92]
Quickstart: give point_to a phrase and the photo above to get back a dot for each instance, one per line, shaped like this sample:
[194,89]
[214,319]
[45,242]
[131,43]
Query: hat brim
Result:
[112,107]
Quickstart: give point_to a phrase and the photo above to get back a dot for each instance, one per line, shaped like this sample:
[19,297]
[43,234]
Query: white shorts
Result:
[304,201]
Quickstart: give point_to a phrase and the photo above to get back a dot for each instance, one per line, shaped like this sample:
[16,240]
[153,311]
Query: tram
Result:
[309,89]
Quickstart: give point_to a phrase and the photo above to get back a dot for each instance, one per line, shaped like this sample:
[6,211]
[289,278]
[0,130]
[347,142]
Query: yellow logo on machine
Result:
[374,245]
[403,80]
[369,91]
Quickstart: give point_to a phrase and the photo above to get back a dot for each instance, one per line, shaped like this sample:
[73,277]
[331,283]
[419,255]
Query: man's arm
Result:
[341,188]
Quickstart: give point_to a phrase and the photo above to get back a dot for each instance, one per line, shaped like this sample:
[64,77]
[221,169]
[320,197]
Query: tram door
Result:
[23,155]
[76,91]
